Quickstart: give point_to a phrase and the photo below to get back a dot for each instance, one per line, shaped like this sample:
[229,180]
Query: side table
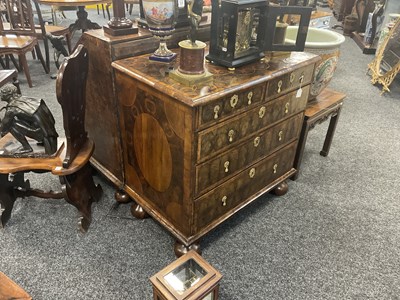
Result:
[327,104]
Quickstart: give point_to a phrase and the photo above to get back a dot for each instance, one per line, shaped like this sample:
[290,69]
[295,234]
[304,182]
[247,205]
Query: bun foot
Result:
[180,249]
[122,197]
[281,189]
[138,211]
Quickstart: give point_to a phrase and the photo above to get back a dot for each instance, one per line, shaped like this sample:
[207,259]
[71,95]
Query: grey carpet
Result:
[334,235]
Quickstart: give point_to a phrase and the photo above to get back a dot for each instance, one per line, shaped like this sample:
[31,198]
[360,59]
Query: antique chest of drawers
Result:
[194,156]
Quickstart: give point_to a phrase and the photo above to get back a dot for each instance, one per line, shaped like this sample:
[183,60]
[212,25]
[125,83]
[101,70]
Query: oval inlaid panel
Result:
[152,152]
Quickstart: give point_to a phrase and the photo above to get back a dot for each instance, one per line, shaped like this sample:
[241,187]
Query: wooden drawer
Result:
[222,200]
[211,172]
[230,105]
[218,138]
[290,81]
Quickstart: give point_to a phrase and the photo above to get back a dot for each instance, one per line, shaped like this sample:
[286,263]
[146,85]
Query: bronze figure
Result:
[195,11]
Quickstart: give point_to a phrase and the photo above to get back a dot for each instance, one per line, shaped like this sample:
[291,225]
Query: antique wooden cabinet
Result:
[194,156]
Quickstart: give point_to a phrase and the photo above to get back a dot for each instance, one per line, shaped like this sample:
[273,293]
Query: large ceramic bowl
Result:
[325,43]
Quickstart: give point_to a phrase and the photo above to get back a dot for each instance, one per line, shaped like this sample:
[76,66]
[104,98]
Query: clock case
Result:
[242,30]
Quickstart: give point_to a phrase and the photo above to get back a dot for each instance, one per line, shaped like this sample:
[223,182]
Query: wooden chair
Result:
[18,36]
[42,31]
[71,159]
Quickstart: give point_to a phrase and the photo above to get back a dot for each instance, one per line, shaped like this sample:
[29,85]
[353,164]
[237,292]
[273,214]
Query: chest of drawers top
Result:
[225,82]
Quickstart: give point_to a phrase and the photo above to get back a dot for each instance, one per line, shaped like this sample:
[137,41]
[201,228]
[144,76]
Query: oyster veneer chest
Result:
[194,156]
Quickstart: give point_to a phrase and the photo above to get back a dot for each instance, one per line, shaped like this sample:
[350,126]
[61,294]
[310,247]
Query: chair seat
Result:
[14,42]
[53,163]
[53,29]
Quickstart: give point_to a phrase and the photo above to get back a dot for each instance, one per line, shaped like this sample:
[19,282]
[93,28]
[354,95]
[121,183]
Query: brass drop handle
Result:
[287,107]
[249,97]
[261,112]
[301,78]
[231,133]
[275,167]
[234,100]
[292,76]
[252,172]
[226,166]
[223,200]
[216,111]
[280,86]
[256,141]
[280,135]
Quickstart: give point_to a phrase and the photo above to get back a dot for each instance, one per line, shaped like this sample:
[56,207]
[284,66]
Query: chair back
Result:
[18,18]
[71,93]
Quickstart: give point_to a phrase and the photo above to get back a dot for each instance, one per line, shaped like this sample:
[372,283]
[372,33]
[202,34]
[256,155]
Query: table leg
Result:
[82,23]
[331,132]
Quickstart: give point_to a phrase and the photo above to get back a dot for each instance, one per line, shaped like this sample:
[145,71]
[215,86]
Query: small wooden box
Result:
[188,278]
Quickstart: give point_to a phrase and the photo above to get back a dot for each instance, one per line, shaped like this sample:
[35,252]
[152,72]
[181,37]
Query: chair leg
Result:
[108,11]
[40,56]
[80,190]
[24,64]
[46,51]
[68,39]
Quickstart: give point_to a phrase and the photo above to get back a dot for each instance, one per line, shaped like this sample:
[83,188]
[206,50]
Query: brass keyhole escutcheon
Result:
[234,100]
[223,200]
[275,168]
[280,86]
[292,77]
[249,97]
[252,172]
[231,133]
[216,111]
[287,107]
[280,135]
[226,166]
[261,112]
[256,141]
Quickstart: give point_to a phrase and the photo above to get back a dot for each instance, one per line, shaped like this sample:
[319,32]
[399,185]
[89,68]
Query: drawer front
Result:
[294,80]
[211,172]
[227,196]
[213,140]
[230,105]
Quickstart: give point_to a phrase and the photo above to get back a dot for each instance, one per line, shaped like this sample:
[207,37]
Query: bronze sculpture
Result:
[195,11]
[27,117]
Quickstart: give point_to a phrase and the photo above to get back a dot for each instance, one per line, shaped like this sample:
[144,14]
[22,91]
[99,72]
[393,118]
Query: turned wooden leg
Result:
[7,199]
[122,197]
[281,189]
[138,211]
[80,190]
[181,249]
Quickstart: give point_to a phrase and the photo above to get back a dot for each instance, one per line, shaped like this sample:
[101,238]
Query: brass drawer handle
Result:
[216,111]
[301,78]
[261,112]
[280,135]
[231,133]
[275,167]
[292,76]
[252,172]
[249,97]
[226,166]
[223,200]
[287,107]
[280,86]
[234,100]
[256,141]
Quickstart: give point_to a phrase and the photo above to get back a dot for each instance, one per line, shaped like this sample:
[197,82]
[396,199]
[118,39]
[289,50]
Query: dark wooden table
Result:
[327,104]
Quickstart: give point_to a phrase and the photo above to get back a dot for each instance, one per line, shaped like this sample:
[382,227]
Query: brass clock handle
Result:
[234,100]
[226,166]
[280,86]
[261,112]
[252,172]
[249,97]
[275,167]
[292,76]
[216,111]
[256,141]
[280,135]
[301,78]
[223,200]
[231,133]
